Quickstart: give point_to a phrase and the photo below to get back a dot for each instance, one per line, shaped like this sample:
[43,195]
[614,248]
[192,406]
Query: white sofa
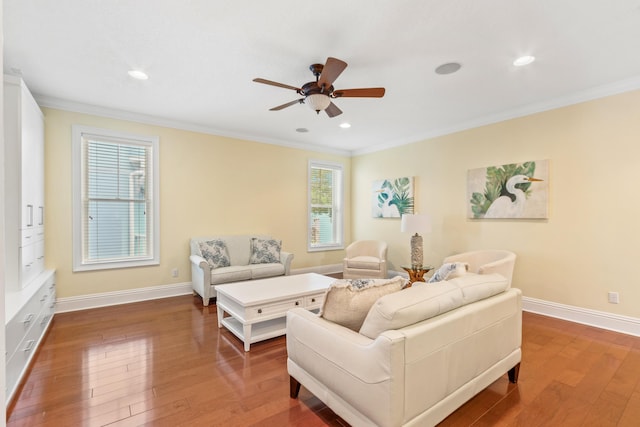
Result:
[420,354]
[204,279]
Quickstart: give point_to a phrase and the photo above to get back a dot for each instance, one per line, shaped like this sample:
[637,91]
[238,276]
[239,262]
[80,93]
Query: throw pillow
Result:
[347,302]
[449,270]
[265,251]
[215,253]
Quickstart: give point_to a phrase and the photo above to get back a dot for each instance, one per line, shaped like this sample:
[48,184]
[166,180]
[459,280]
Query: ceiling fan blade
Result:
[371,92]
[332,69]
[269,82]
[288,104]
[332,110]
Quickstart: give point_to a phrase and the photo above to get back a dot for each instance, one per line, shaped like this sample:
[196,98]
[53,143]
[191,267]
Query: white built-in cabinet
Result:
[29,288]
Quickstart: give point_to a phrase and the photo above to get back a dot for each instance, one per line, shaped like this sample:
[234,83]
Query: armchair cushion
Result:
[265,251]
[215,253]
[347,302]
[366,262]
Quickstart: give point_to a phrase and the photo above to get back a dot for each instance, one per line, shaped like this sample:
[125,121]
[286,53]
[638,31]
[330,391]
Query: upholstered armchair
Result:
[365,259]
[487,262]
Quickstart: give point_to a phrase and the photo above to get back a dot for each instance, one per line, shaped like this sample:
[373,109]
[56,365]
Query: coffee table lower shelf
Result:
[259,331]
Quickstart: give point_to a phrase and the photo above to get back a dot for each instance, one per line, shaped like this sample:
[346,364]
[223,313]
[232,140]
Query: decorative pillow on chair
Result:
[348,301]
[215,252]
[449,270]
[265,251]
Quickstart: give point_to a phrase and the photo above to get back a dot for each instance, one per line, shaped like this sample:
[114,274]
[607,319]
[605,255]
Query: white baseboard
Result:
[105,299]
[585,316]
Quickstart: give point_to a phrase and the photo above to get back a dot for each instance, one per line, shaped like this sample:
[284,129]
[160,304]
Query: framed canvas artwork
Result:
[516,190]
[392,197]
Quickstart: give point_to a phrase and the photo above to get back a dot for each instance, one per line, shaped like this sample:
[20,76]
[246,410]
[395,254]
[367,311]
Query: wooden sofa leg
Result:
[513,373]
[294,387]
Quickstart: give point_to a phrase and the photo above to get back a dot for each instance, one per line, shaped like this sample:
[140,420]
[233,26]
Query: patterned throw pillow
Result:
[265,251]
[215,252]
[348,301]
[449,270]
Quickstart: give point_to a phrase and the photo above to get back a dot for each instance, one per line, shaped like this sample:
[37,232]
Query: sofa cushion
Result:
[233,273]
[264,251]
[215,253]
[260,271]
[364,262]
[425,301]
[348,301]
[476,287]
[410,306]
[449,270]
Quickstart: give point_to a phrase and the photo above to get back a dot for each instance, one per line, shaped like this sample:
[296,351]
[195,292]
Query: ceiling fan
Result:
[318,94]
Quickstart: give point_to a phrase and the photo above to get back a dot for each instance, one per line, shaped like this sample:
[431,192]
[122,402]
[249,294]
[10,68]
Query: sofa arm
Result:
[201,278]
[285,259]
[369,374]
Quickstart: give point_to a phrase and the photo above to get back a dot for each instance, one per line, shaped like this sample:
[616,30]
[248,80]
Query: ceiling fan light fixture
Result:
[318,101]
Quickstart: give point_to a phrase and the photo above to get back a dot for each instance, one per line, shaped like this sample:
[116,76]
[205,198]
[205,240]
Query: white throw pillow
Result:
[348,301]
[448,271]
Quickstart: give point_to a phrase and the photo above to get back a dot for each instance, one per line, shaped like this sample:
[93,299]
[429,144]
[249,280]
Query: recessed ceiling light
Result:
[448,68]
[345,125]
[524,60]
[137,74]
[302,130]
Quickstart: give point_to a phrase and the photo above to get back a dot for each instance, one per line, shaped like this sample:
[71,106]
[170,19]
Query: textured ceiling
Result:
[202,55]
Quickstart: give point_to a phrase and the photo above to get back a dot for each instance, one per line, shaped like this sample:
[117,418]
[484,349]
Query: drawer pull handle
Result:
[29,346]
[259,311]
[297,302]
[313,300]
[28,319]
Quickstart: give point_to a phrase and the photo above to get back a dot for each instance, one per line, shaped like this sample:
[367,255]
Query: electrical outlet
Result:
[614,298]
[174,272]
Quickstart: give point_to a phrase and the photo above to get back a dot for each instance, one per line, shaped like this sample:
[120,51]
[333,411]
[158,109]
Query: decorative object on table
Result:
[414,224]
[392,197]
[416,274]
[516,190]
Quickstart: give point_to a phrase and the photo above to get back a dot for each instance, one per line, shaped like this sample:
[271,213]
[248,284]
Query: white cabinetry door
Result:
[24,184]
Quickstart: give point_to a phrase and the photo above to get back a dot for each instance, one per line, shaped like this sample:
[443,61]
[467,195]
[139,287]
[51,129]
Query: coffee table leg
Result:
[246,332]
[220,316]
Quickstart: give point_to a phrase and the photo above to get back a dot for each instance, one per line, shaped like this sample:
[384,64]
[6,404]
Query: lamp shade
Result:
[415,223]
[318,101]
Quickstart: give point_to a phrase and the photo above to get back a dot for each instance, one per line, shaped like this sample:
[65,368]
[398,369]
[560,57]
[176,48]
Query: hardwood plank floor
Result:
[166,363]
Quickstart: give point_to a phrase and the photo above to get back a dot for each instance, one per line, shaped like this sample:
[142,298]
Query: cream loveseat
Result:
[247,258]
[420,354]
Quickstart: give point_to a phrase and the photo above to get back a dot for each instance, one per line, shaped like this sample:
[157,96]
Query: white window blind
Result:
[325,206]
[116,205]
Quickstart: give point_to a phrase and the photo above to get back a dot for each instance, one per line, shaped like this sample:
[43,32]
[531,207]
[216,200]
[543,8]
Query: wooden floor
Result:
[165,363]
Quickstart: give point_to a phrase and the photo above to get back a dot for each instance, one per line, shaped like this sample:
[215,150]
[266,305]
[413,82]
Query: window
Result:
[115,200]
[326,216]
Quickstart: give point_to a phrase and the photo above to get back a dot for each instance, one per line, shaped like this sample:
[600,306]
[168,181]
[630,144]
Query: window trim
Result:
[78,132]
[338,206]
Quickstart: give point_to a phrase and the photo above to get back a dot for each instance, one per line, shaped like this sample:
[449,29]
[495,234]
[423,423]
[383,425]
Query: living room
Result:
[214,184]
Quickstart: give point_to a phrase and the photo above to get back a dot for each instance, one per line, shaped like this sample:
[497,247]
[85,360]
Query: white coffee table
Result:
[256,309]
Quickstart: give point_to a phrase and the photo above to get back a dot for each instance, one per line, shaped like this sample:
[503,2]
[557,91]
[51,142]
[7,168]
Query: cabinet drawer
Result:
[314,301]
[276,308]
[28,236]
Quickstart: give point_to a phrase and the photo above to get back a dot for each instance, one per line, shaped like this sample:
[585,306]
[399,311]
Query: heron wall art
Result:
[516,190]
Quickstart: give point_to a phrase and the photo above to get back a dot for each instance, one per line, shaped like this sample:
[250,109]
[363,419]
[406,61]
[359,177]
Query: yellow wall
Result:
[208,185]
[590,243]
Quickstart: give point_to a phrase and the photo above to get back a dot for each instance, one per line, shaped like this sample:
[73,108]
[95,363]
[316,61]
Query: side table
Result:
[416,274]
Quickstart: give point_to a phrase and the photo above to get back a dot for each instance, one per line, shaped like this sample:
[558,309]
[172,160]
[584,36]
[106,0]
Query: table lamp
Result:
[414,224]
